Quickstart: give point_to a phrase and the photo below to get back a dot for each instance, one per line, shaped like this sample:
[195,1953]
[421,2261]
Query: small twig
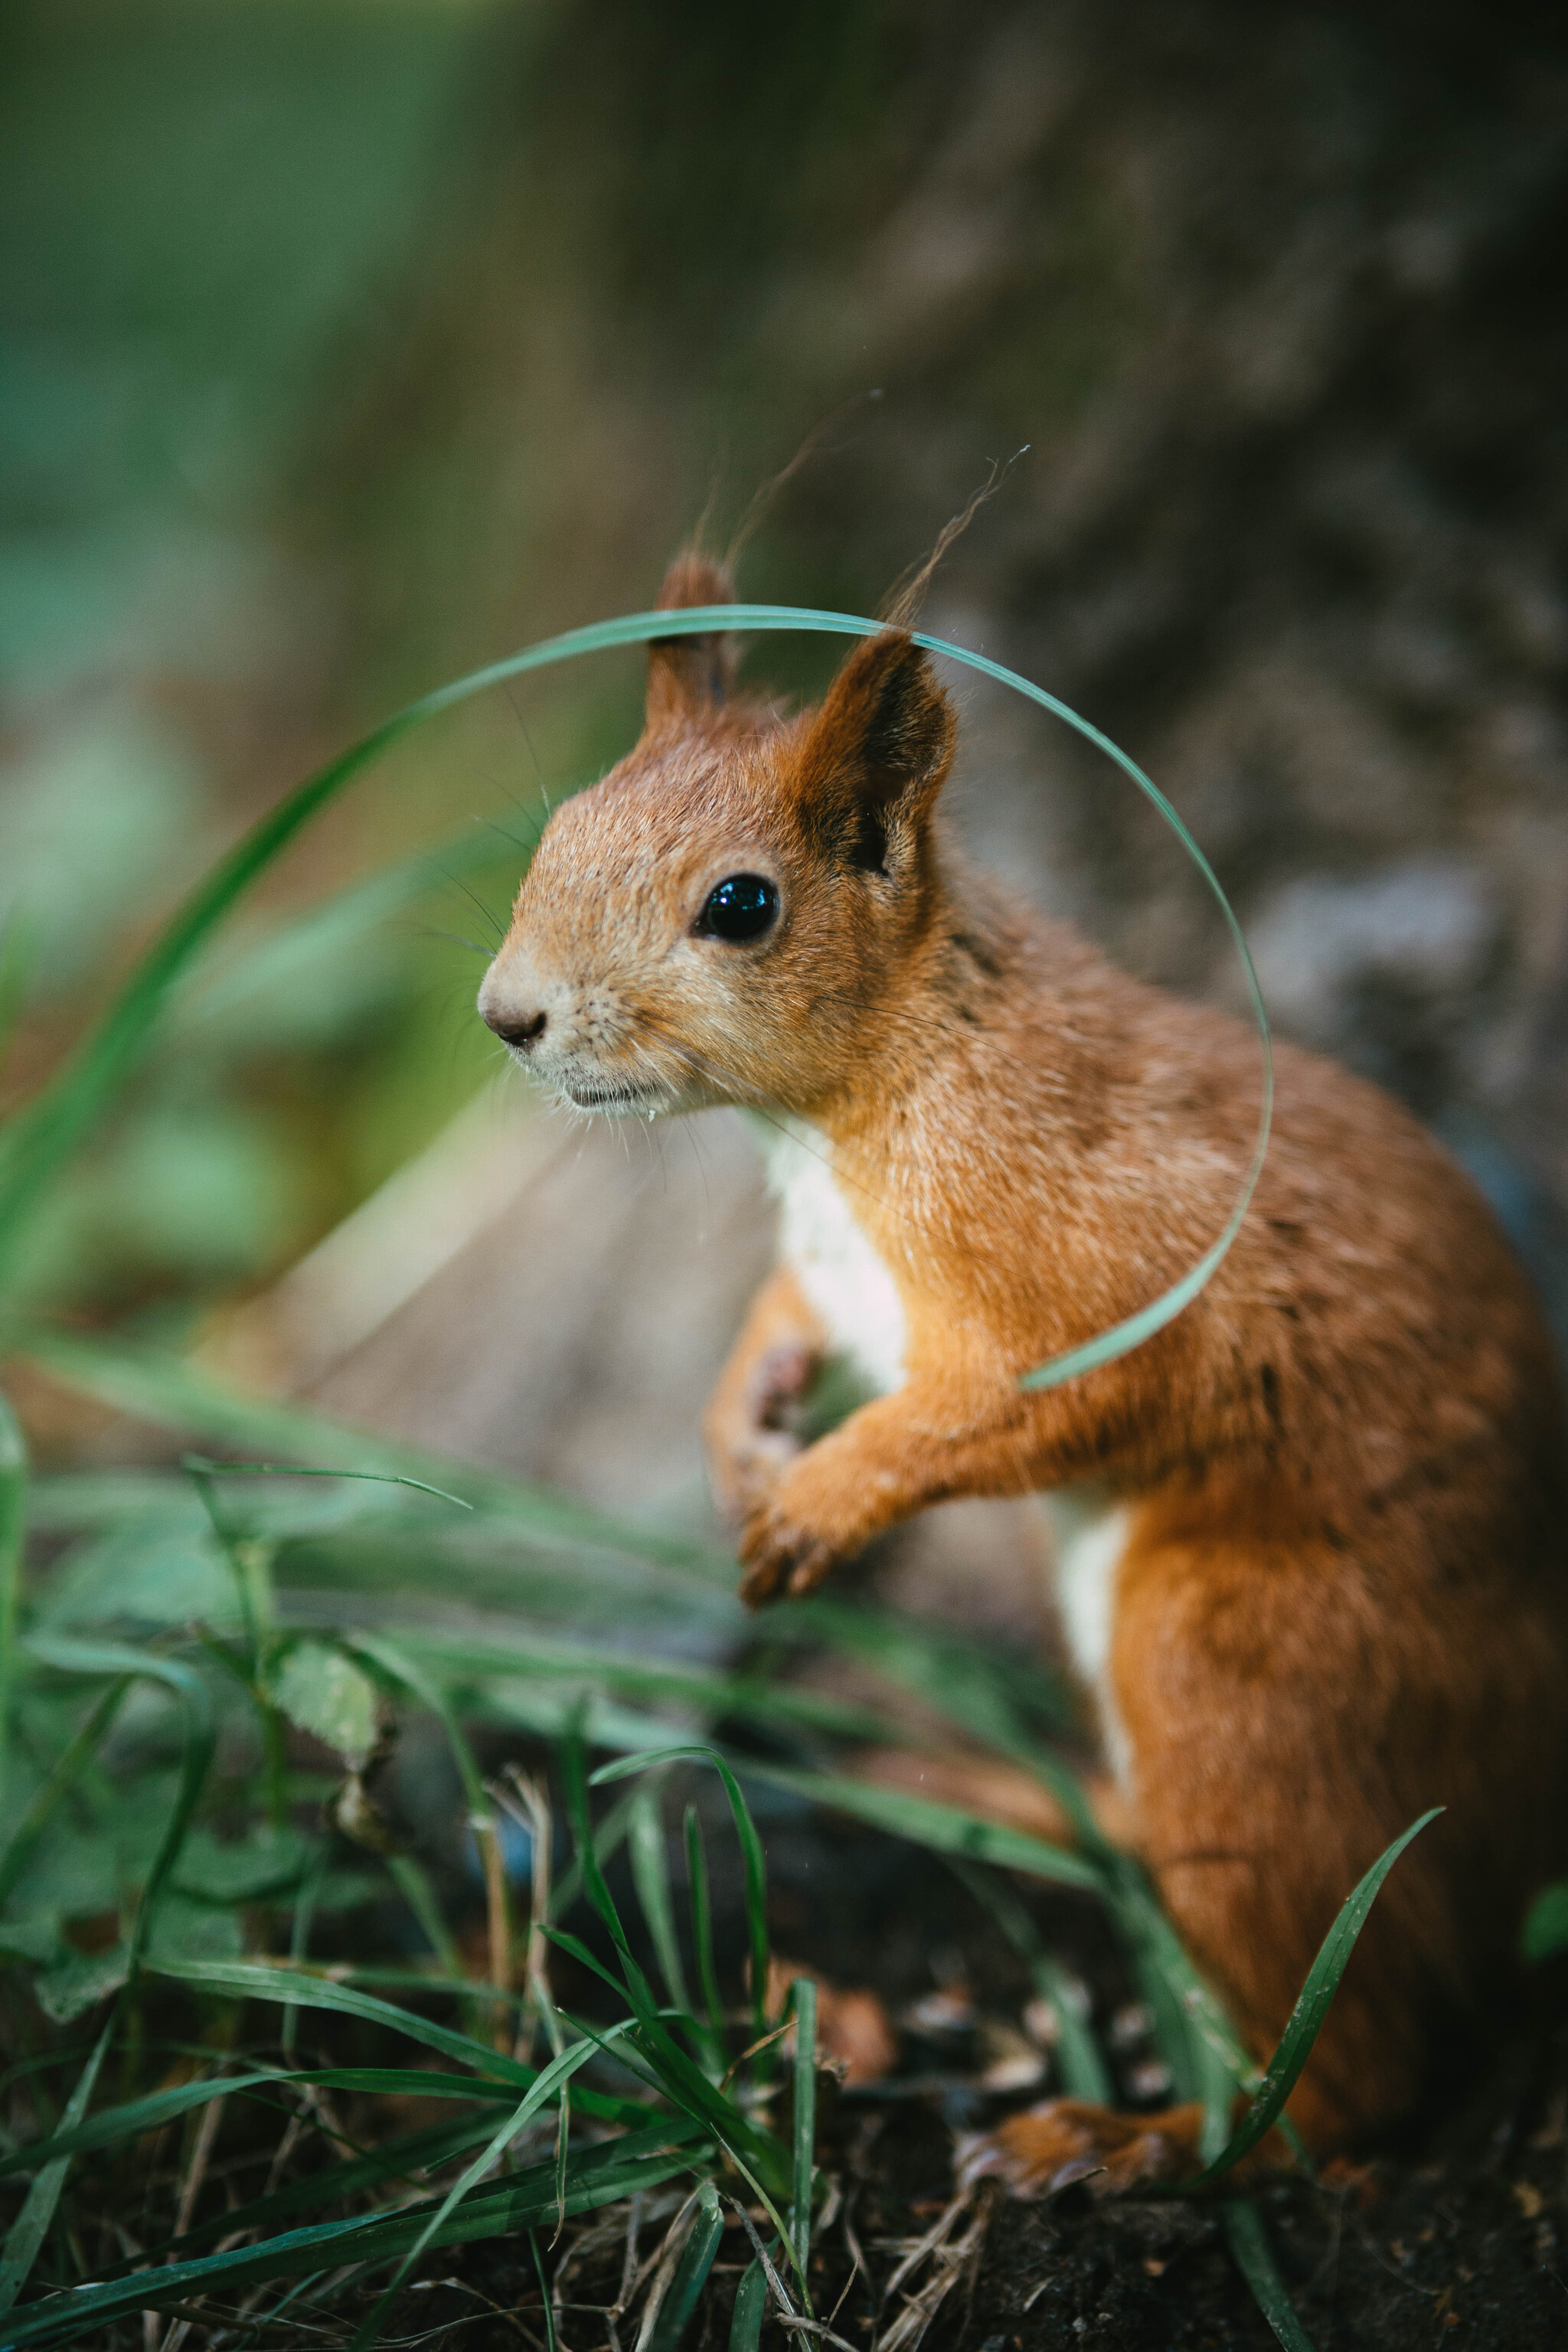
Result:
[786,2308]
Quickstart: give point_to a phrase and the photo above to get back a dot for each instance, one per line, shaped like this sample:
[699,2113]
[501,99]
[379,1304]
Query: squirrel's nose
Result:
[515,1028]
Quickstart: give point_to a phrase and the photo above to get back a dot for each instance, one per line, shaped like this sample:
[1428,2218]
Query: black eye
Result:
[740,907]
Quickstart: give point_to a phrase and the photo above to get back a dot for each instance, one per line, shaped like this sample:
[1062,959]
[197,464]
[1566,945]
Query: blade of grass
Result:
[703,1930]
[173,1394]
[546,2298]
[1312,2006]
[391,2162]
[31,2226]
[753,1865]
[254,1980]
[751,2308]
[803,1995]
[134,2117]
[553,2078]
[646,1846]
[754,2151]
[1249,2242]
[691,2273]
[599,2176]
[13,1529]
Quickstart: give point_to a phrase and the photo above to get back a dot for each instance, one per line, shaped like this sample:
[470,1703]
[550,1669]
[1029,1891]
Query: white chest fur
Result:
[842,1276]
[1090,1533]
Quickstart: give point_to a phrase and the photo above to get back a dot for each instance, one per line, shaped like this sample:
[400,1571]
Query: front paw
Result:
[781,1555]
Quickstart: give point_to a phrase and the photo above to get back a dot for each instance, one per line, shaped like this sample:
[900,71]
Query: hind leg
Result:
[1263,1714]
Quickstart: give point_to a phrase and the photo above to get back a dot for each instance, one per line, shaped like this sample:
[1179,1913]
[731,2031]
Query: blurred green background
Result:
[346,344]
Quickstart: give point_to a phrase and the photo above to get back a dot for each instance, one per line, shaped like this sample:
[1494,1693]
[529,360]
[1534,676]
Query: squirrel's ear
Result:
[886,728]
[689,676]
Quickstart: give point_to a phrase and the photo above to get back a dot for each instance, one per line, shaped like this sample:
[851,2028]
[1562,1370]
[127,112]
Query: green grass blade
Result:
[703,1929]
[13,1529]
[390,2161]
[1311,2008]
[544,1658]
[803,1995]
[31,2226]
[598,2176]
[172,1394]
[691,2273]
[254,1980]
[1249,2242]
[751,2308]
[648,1849]
[753,1863]
[755,2151]
[134,2117]
[944,1828]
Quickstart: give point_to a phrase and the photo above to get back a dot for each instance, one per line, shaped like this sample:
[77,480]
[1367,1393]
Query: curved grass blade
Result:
[553,2079]
[391,2161]
[38,1141]
[691,2273]
[1545,1929]
[1249,2242]
[199,1462]
[1312,2006]
[754,2151]
[751,1858]
[597,2176]
[254,1980]
[544,1658]
[135,2116]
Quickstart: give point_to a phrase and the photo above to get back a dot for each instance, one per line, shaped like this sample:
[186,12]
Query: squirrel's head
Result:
[727,915]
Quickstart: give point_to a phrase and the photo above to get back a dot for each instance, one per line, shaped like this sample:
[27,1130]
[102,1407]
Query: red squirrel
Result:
[1312,1553]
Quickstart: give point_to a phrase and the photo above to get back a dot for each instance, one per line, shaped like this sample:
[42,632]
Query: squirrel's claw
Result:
[779,1557]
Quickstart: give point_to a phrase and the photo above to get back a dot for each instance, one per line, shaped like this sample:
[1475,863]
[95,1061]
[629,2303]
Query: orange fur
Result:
[1341,1592]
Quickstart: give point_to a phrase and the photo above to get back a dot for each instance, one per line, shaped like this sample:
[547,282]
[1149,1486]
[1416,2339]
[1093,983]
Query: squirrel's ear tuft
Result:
[689,677]
[886,728]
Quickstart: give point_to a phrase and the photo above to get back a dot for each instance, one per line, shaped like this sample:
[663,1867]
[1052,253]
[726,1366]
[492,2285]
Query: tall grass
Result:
[200,1634]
